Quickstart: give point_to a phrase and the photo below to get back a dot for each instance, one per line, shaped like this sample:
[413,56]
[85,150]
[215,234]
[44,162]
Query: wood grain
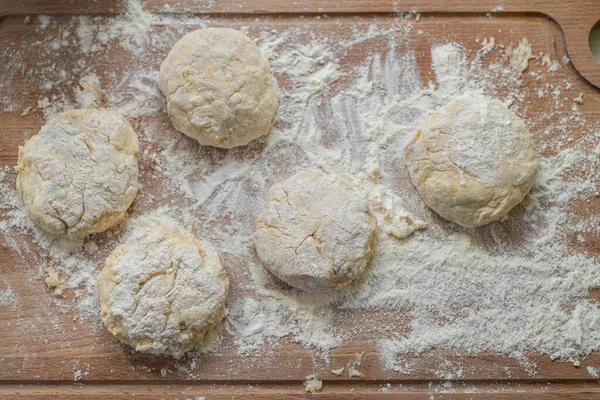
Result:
[575,17]
[38,360]
[332,391]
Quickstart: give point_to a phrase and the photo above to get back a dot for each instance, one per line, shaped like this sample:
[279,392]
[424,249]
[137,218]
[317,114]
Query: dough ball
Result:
[472,161]
[79,174]
[316,232]
[219,88]
[163,291]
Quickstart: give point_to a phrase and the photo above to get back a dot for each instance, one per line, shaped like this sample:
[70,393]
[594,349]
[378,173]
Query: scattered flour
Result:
[445,287]
[487,45]
[520,55]
[449,67]
[89,94]
[77,375]
[391,216]
[132,30]
[8,298]
[313,384]
[546,60]
[353,364]
[44,21]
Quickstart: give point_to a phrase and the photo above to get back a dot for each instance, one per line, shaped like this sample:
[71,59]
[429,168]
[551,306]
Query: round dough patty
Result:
[163,291]
[315,233]
[472,161]
[219,88]
[79,174]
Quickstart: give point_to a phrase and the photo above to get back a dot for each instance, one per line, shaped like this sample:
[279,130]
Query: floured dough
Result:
[219,88]
[163,291]
[316,232]
[472,161]
[79,174]
[392,218]
[313,384]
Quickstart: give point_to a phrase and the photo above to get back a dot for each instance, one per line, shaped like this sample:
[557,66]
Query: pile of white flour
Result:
[348,100]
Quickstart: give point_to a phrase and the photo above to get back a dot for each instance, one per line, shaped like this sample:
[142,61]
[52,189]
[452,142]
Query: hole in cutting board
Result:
[594,41]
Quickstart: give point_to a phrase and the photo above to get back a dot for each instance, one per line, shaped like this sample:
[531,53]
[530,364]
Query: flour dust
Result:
[350,95]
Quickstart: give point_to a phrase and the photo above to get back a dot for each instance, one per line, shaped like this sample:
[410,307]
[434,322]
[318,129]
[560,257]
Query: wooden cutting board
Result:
[38,361]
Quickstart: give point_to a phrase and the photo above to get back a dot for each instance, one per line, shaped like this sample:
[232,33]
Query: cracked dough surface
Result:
[219,88]
[79,174]
[163,291]
[316,232]
[472,161]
